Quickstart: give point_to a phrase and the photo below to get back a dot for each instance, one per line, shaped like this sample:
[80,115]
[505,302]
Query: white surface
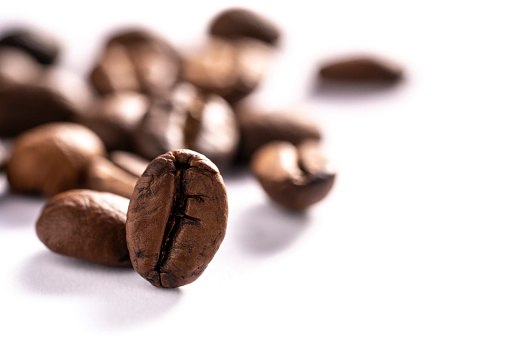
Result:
[411,243]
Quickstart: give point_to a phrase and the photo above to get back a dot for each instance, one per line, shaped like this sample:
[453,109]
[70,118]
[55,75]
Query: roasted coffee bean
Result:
[43,47]
[188,118]
[103,175]
[86,224]
[57,95]
[230,69]
[176,219]
[129,162]
[295,177]
[136,60]
[258,129]
[361,69]
[52,158]
[116,117]
[17,67]
[237,23]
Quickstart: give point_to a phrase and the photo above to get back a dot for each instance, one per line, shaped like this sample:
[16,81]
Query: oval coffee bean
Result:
[52,158]
[176,218]
[56,95]
[189,118]
[295,177]
[362,69]
[239,22]
[44,48]
[87,225]
[231,69]
[258,129]
[136,60]
[116,117]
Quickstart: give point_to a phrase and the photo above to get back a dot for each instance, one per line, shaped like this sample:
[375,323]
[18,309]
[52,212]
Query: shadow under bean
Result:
[266,229]
[327,89]
[114,297]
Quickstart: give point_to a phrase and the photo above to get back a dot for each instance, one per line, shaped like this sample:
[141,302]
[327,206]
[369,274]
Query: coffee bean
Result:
[176,219]
[86,224]
[260,128]
[359,69]
[17,67]
[189,118]
[136,60]
[52,158]
[129,162]
[237,23]
[230,69]
[43,47]
[103,175]
[57,95]
[295,177]
[116,118]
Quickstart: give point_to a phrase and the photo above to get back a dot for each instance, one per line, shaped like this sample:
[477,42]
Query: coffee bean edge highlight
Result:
[177,218]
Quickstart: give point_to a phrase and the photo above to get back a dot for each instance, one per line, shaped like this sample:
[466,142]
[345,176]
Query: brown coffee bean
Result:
[86,224]
[230,69]
[295,177]
[103,175]
[116,117]
[361,69]
[41,46]
[237,23]
[129,162]
[17,67]
[56,95]
[136,60]
[258,129]
[189,118]
[52,158]
[176,219]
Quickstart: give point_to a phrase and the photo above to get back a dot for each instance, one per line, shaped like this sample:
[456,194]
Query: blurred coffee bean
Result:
[57,95]
[17,67]
[360,69]
[237,23]
[190,119]
[130,162]
[103,175]
[43,47]
[116,117]
[231,69]
[295,177]
[258,129]
[52,158]
[136,60]
[86,224]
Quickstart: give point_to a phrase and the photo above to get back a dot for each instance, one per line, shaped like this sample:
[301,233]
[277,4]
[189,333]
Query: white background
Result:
[412,242]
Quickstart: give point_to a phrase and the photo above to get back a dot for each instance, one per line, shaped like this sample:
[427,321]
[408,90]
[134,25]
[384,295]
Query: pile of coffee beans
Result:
[130,157]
